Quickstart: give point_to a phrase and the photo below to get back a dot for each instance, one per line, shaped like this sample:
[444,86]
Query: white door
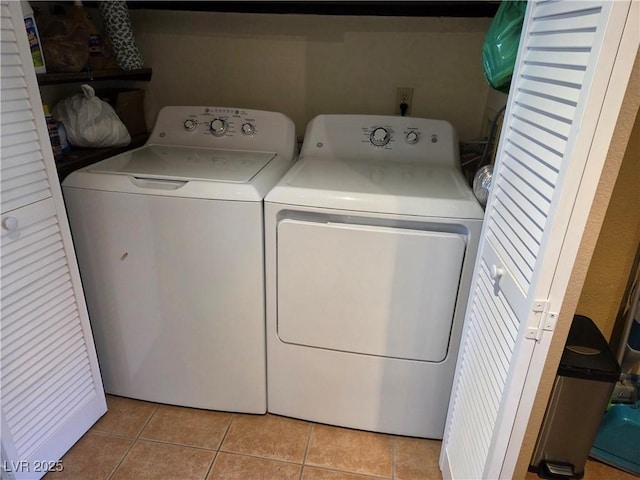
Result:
[51,387]
[377,273]
[571,73]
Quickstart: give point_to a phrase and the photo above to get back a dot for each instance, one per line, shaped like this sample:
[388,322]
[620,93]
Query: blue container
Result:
[618,439]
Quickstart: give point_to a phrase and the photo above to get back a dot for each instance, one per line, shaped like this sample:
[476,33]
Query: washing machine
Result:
[169,240]
[370,244]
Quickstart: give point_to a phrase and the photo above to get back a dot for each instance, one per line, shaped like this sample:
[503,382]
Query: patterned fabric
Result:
[118,26]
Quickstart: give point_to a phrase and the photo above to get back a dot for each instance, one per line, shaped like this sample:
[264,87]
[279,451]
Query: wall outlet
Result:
[404,95]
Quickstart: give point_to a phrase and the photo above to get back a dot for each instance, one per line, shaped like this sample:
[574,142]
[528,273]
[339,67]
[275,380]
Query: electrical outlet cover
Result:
[404,95]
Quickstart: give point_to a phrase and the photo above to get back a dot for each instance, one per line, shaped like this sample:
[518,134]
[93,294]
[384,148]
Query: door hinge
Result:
[543,320]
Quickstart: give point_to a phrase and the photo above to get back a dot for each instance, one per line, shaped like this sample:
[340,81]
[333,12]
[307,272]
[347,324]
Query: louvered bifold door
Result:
[565,58]
[51,387]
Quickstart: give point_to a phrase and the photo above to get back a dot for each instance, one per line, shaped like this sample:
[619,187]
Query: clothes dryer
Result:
[370,245]
[169,239]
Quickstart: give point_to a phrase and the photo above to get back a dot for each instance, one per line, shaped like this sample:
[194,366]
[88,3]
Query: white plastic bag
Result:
[91,122]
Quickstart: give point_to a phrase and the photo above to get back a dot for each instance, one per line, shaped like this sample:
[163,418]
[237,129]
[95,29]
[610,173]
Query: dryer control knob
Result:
[380,136]
[190,125]
[412,137]
[218,127]
[248,129]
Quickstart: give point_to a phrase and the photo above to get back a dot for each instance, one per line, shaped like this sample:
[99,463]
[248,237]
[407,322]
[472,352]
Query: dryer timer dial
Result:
[380,136]
[218,127]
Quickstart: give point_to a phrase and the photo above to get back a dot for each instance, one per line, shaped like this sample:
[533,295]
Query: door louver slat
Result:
[552,73]
[567,39]
[546,157]
[553,109]
[541,134]
[563,10]
[13,305]
[564,93]
[570,60]
[35,304]
[47,325]
[526,113]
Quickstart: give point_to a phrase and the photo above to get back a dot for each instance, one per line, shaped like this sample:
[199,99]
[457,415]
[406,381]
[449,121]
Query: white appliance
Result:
[370,242]
[169,239]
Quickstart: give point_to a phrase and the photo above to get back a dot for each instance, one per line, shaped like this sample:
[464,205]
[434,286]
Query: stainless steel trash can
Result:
[586,376]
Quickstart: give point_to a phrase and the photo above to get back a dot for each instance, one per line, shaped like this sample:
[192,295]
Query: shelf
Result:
[141,74]
[404,8]
[81,157]
[78,158]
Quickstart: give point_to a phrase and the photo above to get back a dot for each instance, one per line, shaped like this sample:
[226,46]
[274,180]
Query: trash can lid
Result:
[587,354]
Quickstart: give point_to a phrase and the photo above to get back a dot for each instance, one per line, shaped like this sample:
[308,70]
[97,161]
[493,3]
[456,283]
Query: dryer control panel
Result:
[223,127]
[381,137]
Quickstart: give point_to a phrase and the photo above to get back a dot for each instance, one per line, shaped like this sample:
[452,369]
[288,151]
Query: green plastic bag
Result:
[500,46]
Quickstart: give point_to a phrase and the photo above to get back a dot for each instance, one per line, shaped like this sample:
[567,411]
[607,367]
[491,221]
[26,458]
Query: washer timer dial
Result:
[218,127]
[248,129]
[380,136]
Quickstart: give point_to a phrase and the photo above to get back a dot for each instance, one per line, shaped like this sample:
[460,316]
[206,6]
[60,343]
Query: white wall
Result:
[304,65]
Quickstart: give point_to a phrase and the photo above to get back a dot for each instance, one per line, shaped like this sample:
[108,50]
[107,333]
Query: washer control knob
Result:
[218,127]
[412,137]
[248,129]
[190,125]
[380,136]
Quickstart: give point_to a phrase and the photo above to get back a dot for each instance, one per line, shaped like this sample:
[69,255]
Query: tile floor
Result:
[141,440]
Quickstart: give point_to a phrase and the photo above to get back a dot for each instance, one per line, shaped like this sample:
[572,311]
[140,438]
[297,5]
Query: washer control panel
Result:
[221,121]
[222,127]
[377,136]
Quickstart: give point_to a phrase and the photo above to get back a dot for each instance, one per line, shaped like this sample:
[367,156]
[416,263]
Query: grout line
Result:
[161,442]
[226,432]
[258,457]
[349,472]
[175,444]
[210,469]
[135,440]
[253,455]
[115,469]
[188,445]
[306,448]
[109,434]
[153,414]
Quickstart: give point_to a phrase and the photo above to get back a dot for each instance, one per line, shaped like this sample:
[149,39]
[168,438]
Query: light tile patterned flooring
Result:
[141,440]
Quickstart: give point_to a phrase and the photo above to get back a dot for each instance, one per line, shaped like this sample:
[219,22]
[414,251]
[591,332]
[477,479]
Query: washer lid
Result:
[404,188]
[186,163]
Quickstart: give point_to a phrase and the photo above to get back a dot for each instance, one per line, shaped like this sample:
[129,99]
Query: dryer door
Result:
[365,289]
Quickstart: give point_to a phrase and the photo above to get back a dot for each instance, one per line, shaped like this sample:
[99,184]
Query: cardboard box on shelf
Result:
[129,105]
